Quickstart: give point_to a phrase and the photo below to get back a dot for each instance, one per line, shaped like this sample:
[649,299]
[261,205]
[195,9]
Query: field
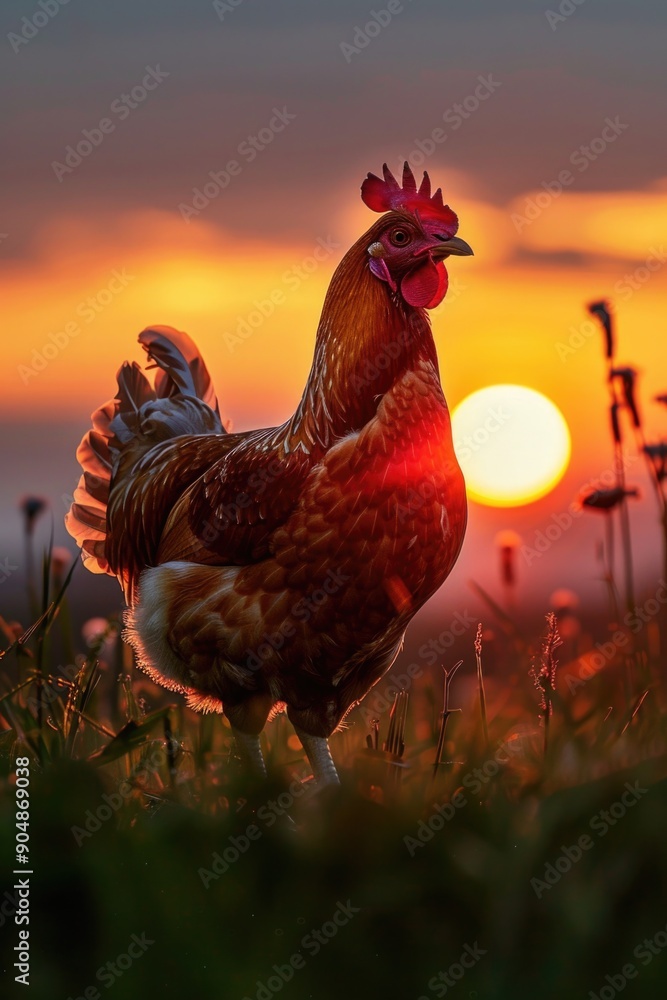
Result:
[529,862]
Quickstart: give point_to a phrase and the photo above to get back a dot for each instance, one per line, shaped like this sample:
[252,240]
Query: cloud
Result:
[626,225]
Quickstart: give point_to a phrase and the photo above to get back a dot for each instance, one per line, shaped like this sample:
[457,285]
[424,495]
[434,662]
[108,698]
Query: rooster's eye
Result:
[400,238]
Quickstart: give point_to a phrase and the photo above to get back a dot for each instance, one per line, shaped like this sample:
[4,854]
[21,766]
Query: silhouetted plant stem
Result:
[169,746]
[624,516]
[661,499]
[444,718]
[544,676]
[609,567]
[663,622]
[395,742]
[480,684]
[31,508]
[602,311]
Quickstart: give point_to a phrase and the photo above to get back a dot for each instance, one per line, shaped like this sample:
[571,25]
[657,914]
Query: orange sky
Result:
[508,316]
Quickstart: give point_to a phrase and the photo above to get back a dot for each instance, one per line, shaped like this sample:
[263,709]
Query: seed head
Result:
[601,310]
[607,499]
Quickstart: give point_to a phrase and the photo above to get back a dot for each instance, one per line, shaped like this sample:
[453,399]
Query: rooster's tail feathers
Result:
[86,518]
[182,368]
[184,402]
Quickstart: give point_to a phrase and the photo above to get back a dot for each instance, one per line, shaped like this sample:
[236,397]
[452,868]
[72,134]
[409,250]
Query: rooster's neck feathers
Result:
[366,339]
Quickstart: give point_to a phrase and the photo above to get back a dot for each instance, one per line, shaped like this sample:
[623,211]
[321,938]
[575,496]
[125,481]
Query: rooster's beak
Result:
[453,247]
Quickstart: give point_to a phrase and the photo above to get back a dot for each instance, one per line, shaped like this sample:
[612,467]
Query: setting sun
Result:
[512,443]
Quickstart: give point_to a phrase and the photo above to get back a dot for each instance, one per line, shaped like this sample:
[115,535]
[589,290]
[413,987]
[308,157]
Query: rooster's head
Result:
[411,242]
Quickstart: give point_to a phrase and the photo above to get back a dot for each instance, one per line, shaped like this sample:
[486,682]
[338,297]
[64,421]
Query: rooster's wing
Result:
[229,515]
[143,495]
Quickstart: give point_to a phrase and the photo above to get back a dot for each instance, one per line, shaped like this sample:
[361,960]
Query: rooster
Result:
[278,569]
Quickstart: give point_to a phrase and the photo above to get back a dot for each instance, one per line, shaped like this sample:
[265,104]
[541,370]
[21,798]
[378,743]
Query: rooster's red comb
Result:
[385,195]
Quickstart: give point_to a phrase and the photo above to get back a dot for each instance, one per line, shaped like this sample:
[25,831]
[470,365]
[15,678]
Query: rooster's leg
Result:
[250,752]
[247,719]
[319,755]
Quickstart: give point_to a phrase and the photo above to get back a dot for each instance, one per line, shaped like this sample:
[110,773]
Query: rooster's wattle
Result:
[280,567]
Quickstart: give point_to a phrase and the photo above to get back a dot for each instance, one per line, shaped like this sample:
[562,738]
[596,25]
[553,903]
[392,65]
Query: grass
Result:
[432,864]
